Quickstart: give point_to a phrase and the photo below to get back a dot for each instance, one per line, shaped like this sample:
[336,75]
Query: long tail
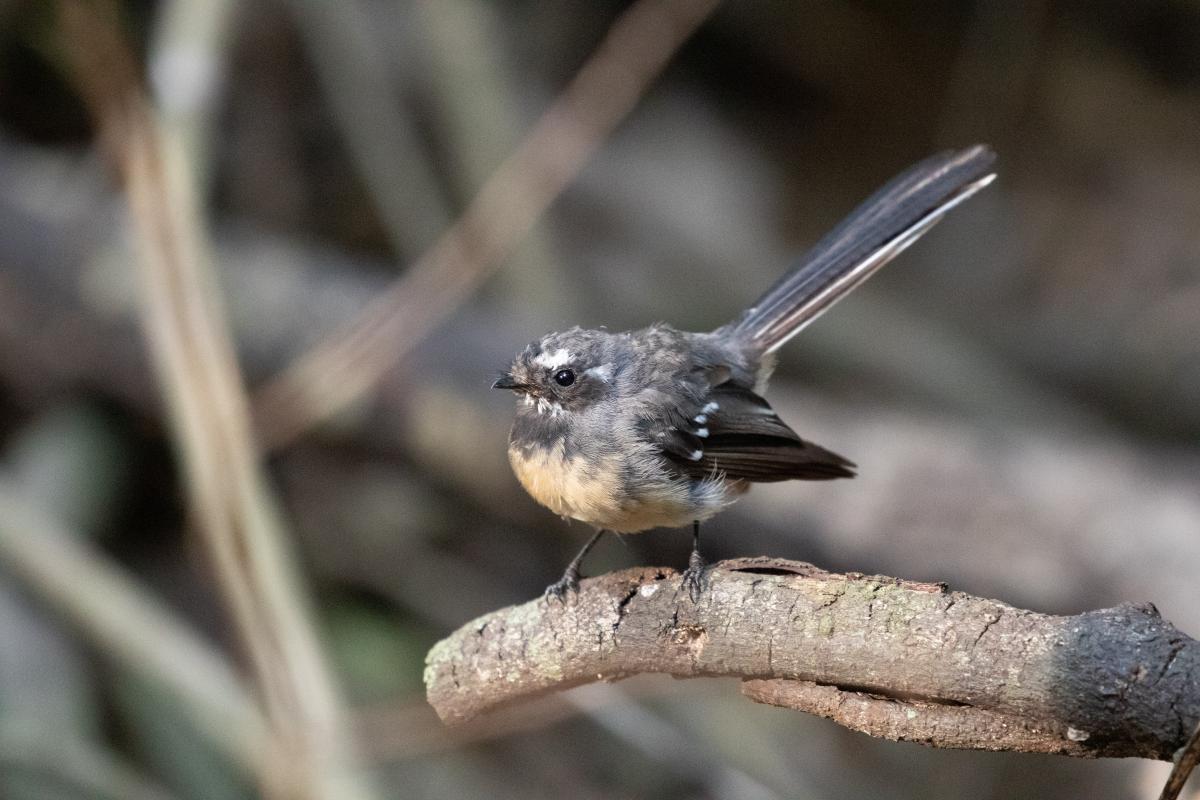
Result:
[874,233]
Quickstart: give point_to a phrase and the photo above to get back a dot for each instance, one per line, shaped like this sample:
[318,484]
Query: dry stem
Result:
[348,365]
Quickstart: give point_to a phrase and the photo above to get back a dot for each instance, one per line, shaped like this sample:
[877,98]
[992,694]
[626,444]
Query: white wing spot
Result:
[700,418]
[702,432]
[559,358]
[696,455]
[710,408]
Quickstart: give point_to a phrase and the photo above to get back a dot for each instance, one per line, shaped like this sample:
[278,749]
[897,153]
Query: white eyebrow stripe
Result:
[559,358]
[603,372]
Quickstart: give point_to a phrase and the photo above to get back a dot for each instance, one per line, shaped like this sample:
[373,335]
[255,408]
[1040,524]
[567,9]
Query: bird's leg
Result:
[570,579]
[693,576]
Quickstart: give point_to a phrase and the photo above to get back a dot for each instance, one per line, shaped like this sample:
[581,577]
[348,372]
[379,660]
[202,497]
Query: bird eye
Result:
[564,377]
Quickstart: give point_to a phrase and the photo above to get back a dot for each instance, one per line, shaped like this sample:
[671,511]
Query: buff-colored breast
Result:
[593,493]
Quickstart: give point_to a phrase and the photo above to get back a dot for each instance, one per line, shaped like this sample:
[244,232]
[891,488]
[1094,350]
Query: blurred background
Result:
[1021,389]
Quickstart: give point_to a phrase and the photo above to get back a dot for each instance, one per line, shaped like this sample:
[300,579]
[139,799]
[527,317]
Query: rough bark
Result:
[888,657]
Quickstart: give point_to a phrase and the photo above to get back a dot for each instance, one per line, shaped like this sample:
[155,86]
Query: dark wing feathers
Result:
[764,459]
[680,444]
[672,429]
[744,439]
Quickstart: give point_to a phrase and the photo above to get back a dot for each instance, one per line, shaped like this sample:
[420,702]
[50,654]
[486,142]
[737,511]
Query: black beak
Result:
[506,381]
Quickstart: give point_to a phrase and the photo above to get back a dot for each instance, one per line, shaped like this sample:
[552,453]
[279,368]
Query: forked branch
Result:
[891,658]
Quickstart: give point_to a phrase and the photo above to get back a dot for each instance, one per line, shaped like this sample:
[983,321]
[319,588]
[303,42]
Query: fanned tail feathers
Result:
[874,233]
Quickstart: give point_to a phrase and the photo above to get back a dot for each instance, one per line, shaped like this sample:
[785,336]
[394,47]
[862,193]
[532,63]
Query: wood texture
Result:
[884,656]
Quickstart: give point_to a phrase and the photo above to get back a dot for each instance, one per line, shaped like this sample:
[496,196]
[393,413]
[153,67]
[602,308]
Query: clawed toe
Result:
[695,580]
[568,583]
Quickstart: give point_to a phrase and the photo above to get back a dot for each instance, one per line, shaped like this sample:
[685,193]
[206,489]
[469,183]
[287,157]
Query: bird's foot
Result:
[695,577]
[568,583]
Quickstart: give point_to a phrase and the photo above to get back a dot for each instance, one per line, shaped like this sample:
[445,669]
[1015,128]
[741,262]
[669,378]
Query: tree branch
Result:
[888,657]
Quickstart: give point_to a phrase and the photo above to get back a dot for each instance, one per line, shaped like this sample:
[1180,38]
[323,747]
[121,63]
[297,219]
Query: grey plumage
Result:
[659,427]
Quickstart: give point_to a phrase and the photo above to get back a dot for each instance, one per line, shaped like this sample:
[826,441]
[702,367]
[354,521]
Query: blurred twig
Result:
[185,328]
[187,70]
[1185,763]
[670,744]
[476,99]
[411,729]
[344,368]
[384,142]
[129,625]
[91,772]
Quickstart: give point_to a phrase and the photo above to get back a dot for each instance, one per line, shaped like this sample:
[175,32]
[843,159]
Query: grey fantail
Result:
[661,428]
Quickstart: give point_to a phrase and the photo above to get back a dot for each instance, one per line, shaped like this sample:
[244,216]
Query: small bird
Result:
[661,428]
